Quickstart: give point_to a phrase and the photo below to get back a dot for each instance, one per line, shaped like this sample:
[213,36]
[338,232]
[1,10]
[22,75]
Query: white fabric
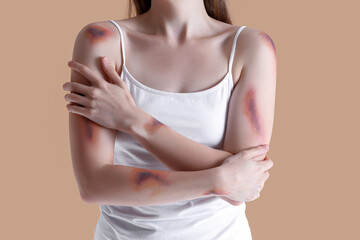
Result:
[200,116]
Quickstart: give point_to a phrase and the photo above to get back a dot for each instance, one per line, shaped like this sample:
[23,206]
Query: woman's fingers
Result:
[78,110]
[78,88]
[260,157]
[86,72]
[76,98]
[111,72]
[254,151]
[267,164]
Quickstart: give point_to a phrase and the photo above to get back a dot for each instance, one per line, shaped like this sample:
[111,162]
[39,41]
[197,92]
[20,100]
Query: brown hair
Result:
[216,9]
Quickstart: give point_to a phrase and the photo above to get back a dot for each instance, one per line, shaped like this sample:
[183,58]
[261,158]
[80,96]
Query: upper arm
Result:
[252,104]
[92,145]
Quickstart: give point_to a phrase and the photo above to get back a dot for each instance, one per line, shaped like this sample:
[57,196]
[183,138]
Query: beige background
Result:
[312,192]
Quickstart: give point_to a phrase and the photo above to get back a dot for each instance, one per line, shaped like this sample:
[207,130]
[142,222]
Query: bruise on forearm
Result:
[252,113]
[153,125]
[96,33]
[154,180]
[215,191]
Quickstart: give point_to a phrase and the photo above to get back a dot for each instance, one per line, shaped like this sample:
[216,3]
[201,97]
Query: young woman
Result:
[167,149]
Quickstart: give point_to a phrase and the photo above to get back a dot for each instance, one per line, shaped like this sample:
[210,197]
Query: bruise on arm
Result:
[252,113]
[153,125]
[153,180]
[271,46]
[215,191]
[252,103]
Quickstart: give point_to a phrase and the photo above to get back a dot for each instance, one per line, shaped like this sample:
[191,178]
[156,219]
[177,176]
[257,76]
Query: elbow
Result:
[87,197]
[87,193]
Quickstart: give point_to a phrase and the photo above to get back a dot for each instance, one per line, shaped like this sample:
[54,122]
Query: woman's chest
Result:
[199,116]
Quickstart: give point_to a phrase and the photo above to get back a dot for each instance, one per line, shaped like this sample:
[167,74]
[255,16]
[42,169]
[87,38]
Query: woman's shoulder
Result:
[97,39]
[253,38]
[98,32]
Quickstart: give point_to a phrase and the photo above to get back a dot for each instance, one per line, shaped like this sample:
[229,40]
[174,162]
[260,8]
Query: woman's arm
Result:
[252,105]
[176,151]
[92,146]
[131,186]
[250,117]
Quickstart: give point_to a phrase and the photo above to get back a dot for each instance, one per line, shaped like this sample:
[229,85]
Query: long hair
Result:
[216,9]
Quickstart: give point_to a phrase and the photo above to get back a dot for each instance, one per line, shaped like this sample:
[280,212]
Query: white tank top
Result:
[200,116]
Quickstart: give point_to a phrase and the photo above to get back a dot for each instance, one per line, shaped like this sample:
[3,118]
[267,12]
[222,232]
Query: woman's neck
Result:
[178,20]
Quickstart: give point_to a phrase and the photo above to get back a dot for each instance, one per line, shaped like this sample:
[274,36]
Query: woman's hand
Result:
[243,175]
[108,104]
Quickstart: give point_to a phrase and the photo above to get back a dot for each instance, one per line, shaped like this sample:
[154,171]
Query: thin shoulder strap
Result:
[122,41]
[234,46]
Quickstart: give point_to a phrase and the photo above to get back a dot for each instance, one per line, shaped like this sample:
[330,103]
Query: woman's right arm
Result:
[92,146]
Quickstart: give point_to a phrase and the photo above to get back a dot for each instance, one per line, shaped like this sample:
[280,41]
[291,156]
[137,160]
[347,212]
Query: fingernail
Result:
[70,63]
[106,60]
[66,86]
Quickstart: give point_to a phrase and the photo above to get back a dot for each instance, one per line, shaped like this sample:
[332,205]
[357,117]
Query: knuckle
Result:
[102,85]
[92,103]
[94,92]
[91,93]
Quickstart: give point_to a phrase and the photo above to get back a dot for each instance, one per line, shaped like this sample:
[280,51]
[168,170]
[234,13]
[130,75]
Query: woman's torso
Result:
[198,114]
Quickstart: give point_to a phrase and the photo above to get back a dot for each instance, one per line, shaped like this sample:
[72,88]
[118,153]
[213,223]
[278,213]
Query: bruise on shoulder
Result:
[96,33]
[154,180]
[268,41]
[270,44]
